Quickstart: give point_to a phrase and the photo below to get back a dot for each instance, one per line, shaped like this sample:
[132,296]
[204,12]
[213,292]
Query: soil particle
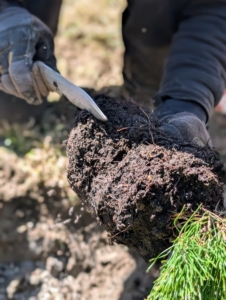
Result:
[133,177]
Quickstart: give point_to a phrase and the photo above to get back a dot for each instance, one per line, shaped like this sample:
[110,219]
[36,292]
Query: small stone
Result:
[41,199]
[71,263]
[51,192]
[20,213]
[30,225]
[35,277]
[21,229]
[71,210]
[44,274]
[35,280]
[13,287]
[54,266]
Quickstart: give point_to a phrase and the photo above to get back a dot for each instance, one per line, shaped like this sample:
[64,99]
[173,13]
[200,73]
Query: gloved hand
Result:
[24,39]
[184,121]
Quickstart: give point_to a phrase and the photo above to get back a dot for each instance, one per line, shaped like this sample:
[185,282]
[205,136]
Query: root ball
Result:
[133,177]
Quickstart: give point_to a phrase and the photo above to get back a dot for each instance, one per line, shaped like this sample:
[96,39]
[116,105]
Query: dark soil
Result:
[133,177]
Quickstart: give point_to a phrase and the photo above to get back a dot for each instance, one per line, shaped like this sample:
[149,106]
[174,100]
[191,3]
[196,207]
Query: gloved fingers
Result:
[1,85]
[44,47]
[19,78]
[8,86]
[173,131]
[20,75]
[16,61]
[45,52]
[38,80]
[3,88]
[6,83]
[186,126]
[200,142]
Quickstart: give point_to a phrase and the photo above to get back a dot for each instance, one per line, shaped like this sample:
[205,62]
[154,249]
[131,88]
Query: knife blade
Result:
[57,83]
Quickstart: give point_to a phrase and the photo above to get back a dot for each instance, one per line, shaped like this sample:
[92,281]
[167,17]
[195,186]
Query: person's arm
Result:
[196,66]
[6,3]
[195,70]
[46,10]
[24,39]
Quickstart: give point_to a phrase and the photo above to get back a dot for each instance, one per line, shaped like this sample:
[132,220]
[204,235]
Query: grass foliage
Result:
[196,264]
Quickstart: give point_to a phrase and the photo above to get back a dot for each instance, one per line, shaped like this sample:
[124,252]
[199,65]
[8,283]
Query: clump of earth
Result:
[133,177]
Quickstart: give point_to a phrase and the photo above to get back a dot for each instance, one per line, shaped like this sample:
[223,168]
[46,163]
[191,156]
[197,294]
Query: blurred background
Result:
[50,248]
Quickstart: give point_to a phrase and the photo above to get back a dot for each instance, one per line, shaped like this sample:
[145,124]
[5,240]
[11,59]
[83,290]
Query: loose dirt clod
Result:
[133,177]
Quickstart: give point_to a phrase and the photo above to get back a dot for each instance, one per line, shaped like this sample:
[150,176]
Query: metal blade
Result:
[57,83]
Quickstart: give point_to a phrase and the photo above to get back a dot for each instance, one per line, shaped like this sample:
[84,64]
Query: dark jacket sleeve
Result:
[46,10]
[195,69]
[6,3]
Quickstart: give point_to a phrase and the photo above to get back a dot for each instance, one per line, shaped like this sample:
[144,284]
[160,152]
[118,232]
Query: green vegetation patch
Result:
[196,264]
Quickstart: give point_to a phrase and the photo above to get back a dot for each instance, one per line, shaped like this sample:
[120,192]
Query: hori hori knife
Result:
[57,83]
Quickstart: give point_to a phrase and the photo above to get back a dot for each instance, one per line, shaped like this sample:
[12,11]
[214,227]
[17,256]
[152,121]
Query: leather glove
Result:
[184,121]
[24,39]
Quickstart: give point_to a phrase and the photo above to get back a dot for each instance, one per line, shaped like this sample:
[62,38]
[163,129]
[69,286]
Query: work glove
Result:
[185,121]
[24,39]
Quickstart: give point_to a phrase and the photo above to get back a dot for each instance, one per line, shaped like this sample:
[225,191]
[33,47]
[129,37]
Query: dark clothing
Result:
[6,3]
[47,11]
[175,49]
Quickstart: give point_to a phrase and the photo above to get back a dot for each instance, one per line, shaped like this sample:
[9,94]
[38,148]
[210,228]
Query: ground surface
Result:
[49,250]
[39,258]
